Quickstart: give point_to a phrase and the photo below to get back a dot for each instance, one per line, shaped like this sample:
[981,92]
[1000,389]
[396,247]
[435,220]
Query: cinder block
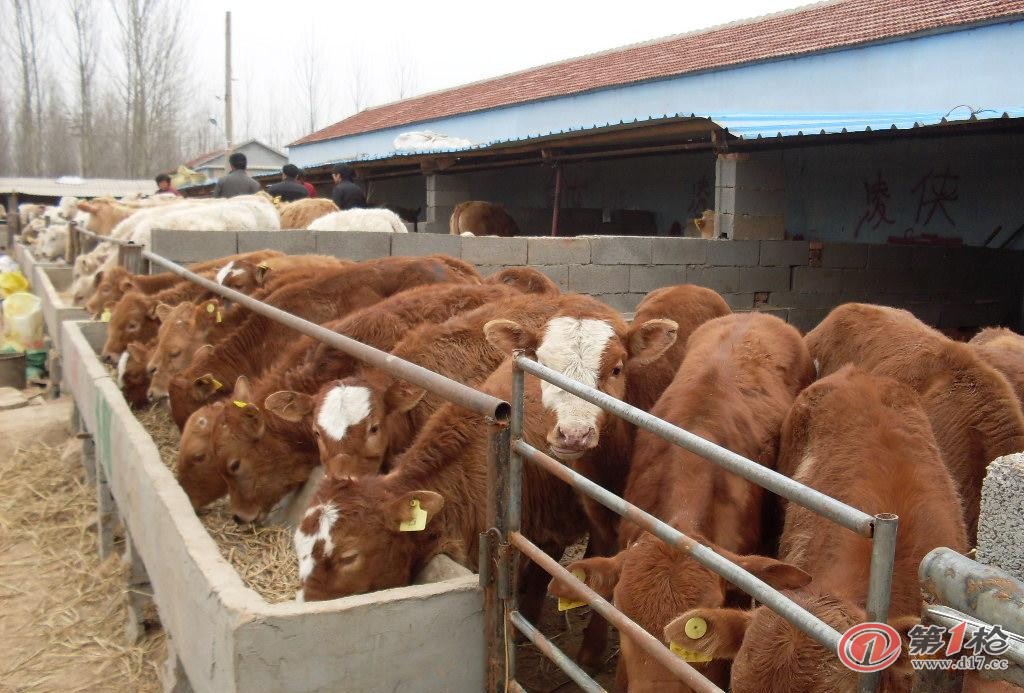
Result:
[725,169]
[442,227]
[624,303]
[724,280]
[740,301]
[425,244]
[679,251]
[288,242]
[440,215]
[758,201]
[784,253]
[761,170]
[725,199]
[354,245]
[763,279]
[797,299]
[780,313]
[621,250]
[806,319]
[194,246]
[445,198]
[844,255]
[439,182]
[817,279]
[643,279]
[889,257]
[727,253]
[558,251]
[1001,523]
[599,279]
[558,274]
[758,228]
[490,250]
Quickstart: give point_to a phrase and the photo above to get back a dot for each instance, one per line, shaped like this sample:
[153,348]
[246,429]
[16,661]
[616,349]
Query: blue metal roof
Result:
[748,126]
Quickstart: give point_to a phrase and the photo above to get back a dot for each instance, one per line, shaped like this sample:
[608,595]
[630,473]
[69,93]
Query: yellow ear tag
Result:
[240,404]
[216,383]
[688,655]
[105,316]
[219,316]
[566,604]
[210,307]
[419,519]
[695,628]
[263,266]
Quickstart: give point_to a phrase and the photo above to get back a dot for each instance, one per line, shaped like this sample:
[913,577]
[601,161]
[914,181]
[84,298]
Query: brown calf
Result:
[132,377]
[183,329]
[865,440]
[380,325]
[974,412]
[482,219]
[331,295]
[248,275]
[525,279]
[735,385]
[1003,349]
[689,306]
[301,213]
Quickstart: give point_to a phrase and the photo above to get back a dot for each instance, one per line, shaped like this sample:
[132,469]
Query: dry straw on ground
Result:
[263,556]
[62,611]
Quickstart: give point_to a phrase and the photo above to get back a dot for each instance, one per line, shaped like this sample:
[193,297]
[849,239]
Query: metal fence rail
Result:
[505,516]
[129,254]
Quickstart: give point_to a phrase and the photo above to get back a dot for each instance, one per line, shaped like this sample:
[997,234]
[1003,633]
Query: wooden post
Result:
[558,199]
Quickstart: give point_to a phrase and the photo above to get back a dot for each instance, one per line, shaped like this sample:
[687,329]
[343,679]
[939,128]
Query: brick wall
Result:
[798,281]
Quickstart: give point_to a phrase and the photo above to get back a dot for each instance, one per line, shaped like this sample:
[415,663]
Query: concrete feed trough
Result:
[226,637]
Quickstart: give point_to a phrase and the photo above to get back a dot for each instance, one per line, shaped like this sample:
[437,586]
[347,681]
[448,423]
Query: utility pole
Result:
[228,116]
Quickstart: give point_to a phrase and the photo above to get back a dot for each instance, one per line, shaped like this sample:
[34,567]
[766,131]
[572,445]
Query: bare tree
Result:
[404,74]
[311,82]
[29,119]
[83,50]
[359,81]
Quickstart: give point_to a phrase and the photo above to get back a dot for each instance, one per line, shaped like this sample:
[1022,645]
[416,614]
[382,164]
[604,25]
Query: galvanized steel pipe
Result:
[549,650]
[982,591]
[838,512]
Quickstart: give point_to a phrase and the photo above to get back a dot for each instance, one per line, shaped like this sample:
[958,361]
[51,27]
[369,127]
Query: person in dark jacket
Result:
[346,194]
[238,181]
[288,189]
[306,184]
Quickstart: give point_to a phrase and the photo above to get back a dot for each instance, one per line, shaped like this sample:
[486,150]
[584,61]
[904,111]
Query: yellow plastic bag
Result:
[12,283]
[23,322]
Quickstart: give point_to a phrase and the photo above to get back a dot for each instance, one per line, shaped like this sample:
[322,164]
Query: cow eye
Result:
[176,354]
[132,327]
[617,370]
[233,466]
[346,559]
[316,432]
[374,428]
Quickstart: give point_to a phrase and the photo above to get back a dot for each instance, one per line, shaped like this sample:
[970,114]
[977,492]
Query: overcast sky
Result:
[442,44]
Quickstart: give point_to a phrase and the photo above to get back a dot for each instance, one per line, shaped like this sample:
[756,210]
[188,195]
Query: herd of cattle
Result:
[871,407]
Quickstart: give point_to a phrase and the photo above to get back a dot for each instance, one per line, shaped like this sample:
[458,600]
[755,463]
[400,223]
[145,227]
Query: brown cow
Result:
[736,384]
[332,294]
[248,275]
[134,318]
[689,306]
[365,420]
[115,282]
[476,218]
[864,440]
[301,213]
[132,377]
[380,325]
[973,410]
[1003,349]
[527,280]
[183,329]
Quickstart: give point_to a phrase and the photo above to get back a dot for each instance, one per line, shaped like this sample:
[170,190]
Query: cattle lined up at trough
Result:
[872,407]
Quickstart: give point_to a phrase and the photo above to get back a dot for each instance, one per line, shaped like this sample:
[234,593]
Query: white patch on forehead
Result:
[304,543]
[222,273]
[343,406]
[574,348]
[122,366]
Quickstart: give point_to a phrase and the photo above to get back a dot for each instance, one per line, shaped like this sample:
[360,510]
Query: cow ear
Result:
[599,574]
[127,284]
[161,311]
[252,418]
[97,278]
[243,389]
[780,575]
[260,273]
[507,336]
[715,633]
[649,340]
[407,510]
[401,396]
[289,405]
[205,386]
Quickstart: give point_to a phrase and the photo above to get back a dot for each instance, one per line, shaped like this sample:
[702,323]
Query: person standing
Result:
[346,193]
[306,184]
[238,181]
[163,185]
[289,189]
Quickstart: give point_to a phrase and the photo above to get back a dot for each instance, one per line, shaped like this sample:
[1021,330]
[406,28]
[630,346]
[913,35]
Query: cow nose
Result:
[151,370]
[574,437]
[238,519]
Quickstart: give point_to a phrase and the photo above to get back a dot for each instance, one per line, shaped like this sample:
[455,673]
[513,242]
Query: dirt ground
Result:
[62,611]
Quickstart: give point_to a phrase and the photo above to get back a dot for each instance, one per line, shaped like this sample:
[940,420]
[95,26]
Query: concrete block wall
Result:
[954,287]
[1001,522]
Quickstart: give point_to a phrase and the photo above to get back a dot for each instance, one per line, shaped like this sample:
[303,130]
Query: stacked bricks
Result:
[800,281]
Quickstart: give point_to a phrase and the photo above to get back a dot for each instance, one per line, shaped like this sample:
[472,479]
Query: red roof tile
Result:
[809,29]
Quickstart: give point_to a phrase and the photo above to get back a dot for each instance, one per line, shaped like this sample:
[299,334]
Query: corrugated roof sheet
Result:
[77,187]
[810,29]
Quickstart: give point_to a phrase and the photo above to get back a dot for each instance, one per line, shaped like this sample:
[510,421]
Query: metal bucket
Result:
[12,371]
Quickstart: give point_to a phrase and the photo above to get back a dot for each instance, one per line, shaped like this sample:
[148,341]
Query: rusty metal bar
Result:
[650,644]
[981,591]
[498,580]
[555,207]
[808,623]
[779,484]
[551,651]
[488,406]
[883,556]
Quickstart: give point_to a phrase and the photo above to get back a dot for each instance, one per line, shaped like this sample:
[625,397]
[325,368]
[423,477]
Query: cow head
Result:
[240,275]
[188,392]
[352,540]
[132,377]
[110,285]
[201,479]
[591,345]
[132,319]
[261,467]
[354,421]
[526,280]
[183,329]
